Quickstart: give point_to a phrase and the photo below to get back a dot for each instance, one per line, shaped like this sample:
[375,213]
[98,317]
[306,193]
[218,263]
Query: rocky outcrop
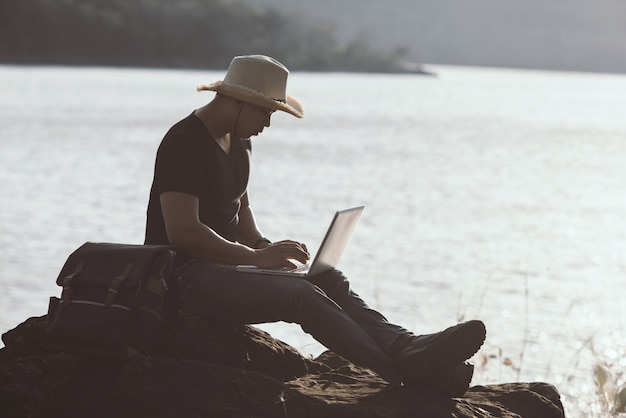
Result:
[202,369]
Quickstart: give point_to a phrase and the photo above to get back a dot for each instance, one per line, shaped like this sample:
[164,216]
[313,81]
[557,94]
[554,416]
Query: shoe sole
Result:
[457,384]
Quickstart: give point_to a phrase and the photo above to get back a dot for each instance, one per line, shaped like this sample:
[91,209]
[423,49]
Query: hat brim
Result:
[291,105]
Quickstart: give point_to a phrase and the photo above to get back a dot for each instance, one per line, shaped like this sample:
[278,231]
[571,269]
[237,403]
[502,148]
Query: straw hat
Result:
[259,80]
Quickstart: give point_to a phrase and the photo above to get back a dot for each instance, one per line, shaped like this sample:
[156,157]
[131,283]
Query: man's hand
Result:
[282,254]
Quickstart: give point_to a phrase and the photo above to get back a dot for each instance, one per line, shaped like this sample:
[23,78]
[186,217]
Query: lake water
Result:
[493,194]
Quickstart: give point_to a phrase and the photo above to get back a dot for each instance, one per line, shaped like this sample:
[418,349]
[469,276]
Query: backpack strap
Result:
[66,294]
[116,283]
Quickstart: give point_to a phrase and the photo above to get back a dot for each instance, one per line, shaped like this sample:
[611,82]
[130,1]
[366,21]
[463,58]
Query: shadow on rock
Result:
[203,369]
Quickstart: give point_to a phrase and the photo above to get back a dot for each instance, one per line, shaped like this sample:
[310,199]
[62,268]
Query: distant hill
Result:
[578,35]
[181,34]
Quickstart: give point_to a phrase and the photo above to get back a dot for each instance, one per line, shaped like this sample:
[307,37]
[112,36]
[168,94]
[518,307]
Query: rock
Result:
[203,369]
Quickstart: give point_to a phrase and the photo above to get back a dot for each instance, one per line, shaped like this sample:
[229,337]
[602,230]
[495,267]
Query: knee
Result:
[332,282]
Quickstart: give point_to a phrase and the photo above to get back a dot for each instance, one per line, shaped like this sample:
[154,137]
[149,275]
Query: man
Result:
[199,203]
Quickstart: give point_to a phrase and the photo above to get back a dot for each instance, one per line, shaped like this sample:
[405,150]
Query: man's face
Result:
[252,120]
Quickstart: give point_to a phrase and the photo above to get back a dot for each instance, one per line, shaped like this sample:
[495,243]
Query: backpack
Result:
[112,301]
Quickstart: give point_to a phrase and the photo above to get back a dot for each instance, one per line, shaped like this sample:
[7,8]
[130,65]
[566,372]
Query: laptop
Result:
[330,251]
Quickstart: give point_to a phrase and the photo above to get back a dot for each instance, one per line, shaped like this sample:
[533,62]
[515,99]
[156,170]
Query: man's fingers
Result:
[284,253]
[295,246]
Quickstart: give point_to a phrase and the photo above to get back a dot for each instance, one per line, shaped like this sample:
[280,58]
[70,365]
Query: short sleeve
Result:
[178,166]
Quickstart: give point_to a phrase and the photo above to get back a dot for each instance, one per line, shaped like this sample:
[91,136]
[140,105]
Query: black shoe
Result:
[418,357]
[453,380]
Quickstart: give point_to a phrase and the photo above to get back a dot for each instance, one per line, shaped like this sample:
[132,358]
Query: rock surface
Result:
[206,370]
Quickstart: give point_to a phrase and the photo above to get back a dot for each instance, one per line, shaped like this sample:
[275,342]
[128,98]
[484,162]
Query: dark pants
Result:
[323,305]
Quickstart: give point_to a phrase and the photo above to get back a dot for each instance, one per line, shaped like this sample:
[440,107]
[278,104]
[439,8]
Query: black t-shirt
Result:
[189,160]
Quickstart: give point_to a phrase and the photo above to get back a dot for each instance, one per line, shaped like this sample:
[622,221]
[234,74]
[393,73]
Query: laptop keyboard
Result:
[298,268]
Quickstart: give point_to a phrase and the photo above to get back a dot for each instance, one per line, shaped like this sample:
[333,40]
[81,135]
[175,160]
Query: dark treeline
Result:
[180,33]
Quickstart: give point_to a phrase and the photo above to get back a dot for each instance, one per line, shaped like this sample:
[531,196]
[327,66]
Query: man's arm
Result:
[248,232]
[184,230]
